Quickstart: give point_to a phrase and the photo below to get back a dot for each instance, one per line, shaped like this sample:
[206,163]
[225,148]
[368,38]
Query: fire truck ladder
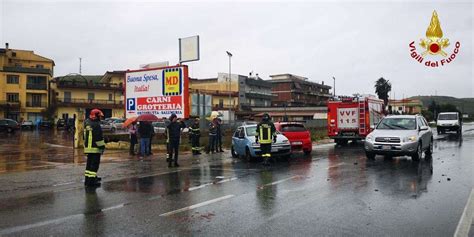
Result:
[361,117]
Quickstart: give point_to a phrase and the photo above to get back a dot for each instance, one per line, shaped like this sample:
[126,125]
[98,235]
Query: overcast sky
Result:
[356,42]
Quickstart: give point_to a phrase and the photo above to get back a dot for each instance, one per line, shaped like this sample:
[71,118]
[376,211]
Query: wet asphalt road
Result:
[336,192]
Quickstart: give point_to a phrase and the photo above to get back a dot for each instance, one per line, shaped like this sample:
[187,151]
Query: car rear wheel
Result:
[234,154]
[370,155]
[307,153]
[418,154]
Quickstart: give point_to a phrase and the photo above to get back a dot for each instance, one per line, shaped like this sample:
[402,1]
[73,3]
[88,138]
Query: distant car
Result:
[244,145]
[61,123]
[299,136]
[400,135]
[27,125]
[46,124]
[159,127]
[116,124]
[450,121]
[105,126]
[9,125]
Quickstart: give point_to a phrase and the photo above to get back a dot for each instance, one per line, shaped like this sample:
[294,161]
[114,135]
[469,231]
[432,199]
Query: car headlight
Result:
[369,138]
[286,142]
[410,139]
[456,123]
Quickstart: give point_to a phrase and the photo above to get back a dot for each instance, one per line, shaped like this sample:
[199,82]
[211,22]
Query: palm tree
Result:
[382,88]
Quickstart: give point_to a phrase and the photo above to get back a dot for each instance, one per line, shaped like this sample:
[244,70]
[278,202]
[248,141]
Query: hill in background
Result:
[465,105]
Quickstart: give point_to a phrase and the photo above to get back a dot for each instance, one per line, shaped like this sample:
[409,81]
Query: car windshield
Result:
[119,121]
[293,128]
[159,124]
[447,117]
[397,123]
[252,131]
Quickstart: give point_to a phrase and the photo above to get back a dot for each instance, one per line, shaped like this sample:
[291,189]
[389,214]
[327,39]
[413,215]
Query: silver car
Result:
[400,135]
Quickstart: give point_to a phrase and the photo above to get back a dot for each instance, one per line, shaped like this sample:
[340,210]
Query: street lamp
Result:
[334,88]
[230,56]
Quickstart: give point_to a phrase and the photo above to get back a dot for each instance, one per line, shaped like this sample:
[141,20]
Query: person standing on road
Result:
[266,133]
[133,137]
[151,138]
[94,146]
[219,136]
[144,130]
[213,135]
[173,135]
[195,134]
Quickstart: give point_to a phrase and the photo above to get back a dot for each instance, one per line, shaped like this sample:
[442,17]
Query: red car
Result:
[297,134]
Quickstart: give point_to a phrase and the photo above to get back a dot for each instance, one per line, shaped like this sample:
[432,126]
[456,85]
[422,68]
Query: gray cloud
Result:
[357,42]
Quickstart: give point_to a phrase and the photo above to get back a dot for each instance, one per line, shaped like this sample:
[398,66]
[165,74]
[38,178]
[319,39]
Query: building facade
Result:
[24,84]
[295,91]
[405,106]
[73,93]
[254,92]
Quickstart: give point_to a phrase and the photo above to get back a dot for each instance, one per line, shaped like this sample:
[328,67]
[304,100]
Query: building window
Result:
[110,97]
[13,79]
[90,96]
[221,103]
[13,97]
[36,83]
[39,66]
[67,96]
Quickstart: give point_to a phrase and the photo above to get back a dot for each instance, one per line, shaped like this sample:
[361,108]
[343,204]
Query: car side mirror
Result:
[424,128]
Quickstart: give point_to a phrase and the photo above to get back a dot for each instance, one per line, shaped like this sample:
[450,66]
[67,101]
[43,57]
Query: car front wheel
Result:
[370,155]
[234,154]
[418,154]
[429,152]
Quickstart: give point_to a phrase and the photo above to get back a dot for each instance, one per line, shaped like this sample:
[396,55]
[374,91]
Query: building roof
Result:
[79,78]
[35,57]
[282,78]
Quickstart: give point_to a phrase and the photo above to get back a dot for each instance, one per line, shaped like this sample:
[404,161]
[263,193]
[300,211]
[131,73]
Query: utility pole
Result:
[80,66]
[230,85]
[334,88]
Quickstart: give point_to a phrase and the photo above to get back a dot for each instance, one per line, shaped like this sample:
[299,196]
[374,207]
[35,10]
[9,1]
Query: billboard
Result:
[158,91]
[189,49]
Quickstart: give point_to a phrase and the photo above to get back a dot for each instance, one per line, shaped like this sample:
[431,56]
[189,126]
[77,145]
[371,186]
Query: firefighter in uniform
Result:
[266,134]
[173,137]
[94,146]
[195,137]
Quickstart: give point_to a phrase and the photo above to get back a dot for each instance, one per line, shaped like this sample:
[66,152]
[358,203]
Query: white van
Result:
[449,121]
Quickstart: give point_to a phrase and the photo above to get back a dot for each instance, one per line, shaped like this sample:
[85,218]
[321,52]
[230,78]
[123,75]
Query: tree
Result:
[382,88]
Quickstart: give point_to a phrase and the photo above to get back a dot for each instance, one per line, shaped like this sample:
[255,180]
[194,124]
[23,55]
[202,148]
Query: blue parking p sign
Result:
[131,104]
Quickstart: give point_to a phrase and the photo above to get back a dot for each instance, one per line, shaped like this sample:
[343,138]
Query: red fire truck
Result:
[353,118]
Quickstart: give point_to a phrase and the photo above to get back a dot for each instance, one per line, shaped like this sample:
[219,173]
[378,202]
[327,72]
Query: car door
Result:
[422,133]
[237,141]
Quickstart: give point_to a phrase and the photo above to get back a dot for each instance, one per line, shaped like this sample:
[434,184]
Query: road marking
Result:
[38,224]
[336,165]
[197,205]
[61,184]
[209,184]
[114,207]
[466,218]
[278,182]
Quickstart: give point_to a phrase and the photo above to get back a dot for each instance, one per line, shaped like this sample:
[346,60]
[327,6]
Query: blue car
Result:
[244,145]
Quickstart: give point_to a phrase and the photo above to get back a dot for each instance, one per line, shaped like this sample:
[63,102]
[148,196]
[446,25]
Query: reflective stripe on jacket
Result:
[265,132]
[93,140]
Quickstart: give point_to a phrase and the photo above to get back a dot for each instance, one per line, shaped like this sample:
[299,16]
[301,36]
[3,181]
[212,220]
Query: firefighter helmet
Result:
[96,114]
[266,117]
